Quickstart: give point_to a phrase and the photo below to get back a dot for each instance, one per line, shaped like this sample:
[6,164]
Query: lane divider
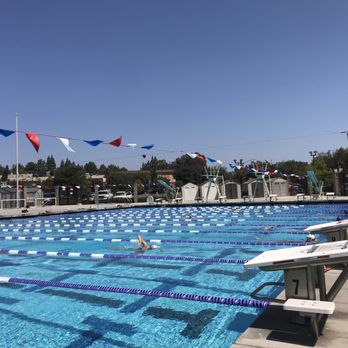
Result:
[154,293]
[164,241]
[143,230]
[121,256]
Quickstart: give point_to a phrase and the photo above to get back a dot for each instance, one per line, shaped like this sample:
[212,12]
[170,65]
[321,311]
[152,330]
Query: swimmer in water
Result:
[143,246]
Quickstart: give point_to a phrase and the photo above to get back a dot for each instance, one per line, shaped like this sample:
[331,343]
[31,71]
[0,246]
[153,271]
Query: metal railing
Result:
[14,203]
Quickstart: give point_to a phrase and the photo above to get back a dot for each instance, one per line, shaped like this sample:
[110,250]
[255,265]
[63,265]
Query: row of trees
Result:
[185,169]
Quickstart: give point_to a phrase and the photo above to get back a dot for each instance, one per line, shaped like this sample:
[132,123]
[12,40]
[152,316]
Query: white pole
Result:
[17,173]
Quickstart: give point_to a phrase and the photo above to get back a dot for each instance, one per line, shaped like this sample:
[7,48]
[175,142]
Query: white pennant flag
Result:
[133,146]
[65,142]
[192,155]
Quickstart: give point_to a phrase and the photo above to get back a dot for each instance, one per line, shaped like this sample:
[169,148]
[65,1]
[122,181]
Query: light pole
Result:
[313,154]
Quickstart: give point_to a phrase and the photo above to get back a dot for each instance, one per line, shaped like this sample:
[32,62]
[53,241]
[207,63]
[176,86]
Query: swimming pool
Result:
[202,250]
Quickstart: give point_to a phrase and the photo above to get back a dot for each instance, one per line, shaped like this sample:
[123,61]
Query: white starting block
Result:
[300,197]
[247,198]
[330,195]
[308,306]
[297,257]
[222,199]
[273,197]
[304,273]
[335,231]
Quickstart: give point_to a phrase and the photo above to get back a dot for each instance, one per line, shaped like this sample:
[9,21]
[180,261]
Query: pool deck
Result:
[273,328]
[62,209]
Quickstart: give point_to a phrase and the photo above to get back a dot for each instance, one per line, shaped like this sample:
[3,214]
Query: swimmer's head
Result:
[311,237]
[154,246]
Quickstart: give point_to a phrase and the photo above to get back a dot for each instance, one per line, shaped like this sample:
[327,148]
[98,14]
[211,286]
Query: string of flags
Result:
[249,168]
[35,141]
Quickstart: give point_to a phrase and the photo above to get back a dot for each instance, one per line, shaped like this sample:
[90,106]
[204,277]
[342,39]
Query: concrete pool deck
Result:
[273,328]
[61,209]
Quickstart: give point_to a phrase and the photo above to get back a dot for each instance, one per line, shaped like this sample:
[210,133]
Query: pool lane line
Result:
[154,293]
[121,256]
[125,230]
[236,222]
[161,241]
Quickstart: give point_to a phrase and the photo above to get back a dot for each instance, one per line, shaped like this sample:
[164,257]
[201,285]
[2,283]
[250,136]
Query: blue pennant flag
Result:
[93,142]
[233,167]
[6,132]
[148,147]
[211,160]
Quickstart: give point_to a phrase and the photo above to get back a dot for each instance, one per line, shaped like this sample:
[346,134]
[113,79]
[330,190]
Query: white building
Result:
[280,187]
[189,193]
[209,191]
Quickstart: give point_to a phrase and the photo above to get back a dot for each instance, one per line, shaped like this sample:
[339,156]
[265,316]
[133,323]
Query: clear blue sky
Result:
[229,78]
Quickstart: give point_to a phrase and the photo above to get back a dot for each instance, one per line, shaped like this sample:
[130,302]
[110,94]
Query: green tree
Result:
[91,168]
[337,159]
[155,164]
[324,173]
[30,168]
[51,164]
[5,173]
[187,169]
[70,175]
[20,168]
[152,166]
[41,168]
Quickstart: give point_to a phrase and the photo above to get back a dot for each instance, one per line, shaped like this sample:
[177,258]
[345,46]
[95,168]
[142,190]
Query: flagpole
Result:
[17,172]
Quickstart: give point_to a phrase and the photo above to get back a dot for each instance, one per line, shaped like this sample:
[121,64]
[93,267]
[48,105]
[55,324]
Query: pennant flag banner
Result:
[133,146]
[148,147]
[117,142]
[232,166]
[192,155]
[65,142]
[93,142]
[6,132]
[34,139]
[212,160]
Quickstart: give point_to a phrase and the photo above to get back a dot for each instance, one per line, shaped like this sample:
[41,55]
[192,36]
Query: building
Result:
[26,178]
[8,197]
[280,187]
[33,196]
[190,193]
[209,191]
[233,190]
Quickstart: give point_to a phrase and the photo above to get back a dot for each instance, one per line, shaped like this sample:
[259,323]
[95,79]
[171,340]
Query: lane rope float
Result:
[155,293]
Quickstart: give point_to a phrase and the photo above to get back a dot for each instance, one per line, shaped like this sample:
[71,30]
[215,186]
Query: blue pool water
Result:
[36,316]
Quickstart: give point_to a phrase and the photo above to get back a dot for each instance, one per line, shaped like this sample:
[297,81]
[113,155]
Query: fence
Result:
[29,202]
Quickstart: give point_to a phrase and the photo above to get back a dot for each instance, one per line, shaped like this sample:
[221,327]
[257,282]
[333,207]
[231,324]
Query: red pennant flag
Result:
[34,139]
[117,142]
